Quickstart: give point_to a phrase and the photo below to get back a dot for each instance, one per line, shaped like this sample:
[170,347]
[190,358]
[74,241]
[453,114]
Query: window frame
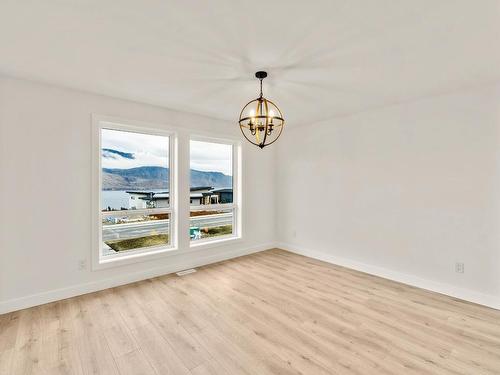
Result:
[236,206]
[98,260]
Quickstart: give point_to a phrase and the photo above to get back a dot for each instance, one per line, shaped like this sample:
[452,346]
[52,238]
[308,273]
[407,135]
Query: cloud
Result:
[124,150]
[145,149]
[112,154]
[211,157]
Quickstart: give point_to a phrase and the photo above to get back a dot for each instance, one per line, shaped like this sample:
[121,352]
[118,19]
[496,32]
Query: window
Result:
[135,203]
[135,189]
[213,191]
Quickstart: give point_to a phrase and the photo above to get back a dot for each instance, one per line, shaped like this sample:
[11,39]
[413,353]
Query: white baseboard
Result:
[76,290]
[434,286]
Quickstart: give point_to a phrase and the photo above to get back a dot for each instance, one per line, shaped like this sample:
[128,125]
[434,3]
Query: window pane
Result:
[210,223]
[130,231]
[135,173]
[211,167]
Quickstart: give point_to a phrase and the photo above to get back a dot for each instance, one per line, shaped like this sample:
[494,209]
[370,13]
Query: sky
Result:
[121,149]
[211,157]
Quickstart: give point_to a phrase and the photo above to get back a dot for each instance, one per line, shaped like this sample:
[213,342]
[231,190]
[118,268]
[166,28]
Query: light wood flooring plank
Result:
[268,313]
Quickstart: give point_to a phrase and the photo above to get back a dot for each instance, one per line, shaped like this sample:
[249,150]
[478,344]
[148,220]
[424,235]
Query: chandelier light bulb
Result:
[271,117]
[252,118]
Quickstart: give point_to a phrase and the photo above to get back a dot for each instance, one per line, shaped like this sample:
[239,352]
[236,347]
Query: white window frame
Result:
[98,260]
[236,206]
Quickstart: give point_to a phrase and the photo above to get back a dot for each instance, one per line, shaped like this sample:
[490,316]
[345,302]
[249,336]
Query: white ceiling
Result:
[325,58]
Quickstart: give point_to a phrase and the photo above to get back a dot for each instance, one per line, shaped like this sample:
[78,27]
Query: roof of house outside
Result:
[196,188]
[166,196]
[223,190]
[145,192]
[158,195]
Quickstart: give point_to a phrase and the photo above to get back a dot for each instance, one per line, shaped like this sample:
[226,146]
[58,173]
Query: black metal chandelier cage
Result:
[261,121]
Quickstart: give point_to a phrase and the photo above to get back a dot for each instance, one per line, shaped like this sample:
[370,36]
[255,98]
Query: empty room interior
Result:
[250,188]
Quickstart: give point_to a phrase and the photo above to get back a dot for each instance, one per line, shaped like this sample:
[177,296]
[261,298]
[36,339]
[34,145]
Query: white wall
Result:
[402,191]
[45,189]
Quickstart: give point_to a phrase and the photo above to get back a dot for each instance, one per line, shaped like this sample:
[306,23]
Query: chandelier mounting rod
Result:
[261,75]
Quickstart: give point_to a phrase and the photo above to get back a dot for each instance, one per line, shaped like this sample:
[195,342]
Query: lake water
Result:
[115,199]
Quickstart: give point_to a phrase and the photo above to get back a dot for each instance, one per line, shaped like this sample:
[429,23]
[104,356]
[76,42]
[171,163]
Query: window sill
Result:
[164,252]
[215,242]
[116,261]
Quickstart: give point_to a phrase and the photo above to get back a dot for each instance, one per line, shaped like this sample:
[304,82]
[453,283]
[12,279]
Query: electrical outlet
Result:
[82,264]
[459,267]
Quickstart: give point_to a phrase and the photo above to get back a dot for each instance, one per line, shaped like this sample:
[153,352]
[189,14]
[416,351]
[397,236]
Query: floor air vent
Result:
[185,272]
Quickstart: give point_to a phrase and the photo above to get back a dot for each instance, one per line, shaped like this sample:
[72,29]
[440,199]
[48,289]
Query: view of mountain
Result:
[214,179]
[155,178]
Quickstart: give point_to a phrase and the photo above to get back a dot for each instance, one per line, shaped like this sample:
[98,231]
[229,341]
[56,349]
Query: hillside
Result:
[144,178]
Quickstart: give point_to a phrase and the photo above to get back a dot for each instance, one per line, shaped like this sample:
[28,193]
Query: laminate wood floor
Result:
[268,313]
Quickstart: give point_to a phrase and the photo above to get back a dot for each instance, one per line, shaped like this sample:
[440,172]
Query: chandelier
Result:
[261,121]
